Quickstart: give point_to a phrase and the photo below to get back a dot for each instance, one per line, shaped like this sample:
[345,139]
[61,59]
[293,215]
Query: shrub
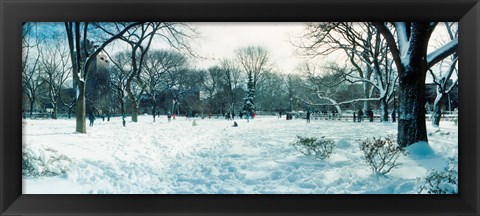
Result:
[441,182]
[381,153]
[40,161]
[319,148]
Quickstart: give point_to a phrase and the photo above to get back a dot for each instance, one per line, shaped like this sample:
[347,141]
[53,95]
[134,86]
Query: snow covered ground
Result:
[214,157]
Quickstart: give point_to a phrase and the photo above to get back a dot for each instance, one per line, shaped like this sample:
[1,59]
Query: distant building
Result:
[97,89]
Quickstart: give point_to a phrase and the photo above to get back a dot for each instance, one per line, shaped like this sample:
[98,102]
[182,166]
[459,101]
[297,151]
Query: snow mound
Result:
[344,144]
[419,150]
[41,161]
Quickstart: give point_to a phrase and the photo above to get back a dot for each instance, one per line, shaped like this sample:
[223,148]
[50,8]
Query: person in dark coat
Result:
[370,115]
[108,117]
[394,116]
[354,117]
[308,116]
[91,118]
[360,115]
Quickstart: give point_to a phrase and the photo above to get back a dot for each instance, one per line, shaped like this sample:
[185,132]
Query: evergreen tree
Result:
[249,99]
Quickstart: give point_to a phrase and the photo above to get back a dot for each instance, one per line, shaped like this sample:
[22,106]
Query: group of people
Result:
[91,118]
[360,115]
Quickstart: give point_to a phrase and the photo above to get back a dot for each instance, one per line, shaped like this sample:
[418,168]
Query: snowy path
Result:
[213,157]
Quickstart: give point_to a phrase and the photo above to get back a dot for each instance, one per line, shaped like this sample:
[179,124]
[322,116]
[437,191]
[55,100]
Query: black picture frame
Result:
[14,12]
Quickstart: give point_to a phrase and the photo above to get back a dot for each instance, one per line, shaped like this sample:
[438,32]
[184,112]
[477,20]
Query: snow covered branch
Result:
[388,35]
[442,52]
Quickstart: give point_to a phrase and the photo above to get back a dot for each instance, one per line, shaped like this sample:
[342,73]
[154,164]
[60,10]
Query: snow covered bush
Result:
[381,153]
[41,161]
[320,148]
[441,182]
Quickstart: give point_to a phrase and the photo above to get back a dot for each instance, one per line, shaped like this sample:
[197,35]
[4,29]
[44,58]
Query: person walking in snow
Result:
[354,117]
[108,117]
[91,118]
[308,116]
[123,120]
[360,115]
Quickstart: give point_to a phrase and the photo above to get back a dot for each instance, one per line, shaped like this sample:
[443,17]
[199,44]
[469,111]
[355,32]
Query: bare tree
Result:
[255,61]
[157,64]
[320,89]
[356,42]
[409,52]
[175,82]
[119,75]
[54,61]
[272,94]
[31,73]
[139,39]
[81,57]
[443,78]
[364,49]
[230,79]
[211,84]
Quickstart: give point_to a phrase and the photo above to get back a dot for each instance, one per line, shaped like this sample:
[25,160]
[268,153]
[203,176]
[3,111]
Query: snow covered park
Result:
[215,158]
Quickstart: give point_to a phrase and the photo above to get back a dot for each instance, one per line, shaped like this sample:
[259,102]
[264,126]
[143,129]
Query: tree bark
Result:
[437,111]
[81,109]
[55,111]
[134,111]
[154,111]
[122,107]
[131,96]
[384,105]
[411,120]
[32,102]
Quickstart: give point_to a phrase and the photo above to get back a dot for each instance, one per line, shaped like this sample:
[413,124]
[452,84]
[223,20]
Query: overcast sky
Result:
[219,40]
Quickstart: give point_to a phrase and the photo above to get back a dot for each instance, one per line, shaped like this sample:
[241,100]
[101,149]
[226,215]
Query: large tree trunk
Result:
[122,106]
[55,111]
[81,109]
[384,105]
[437,110]
[134,110]
[410,56]
[366,88]
[32,102]
[133,102]
[411,120]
